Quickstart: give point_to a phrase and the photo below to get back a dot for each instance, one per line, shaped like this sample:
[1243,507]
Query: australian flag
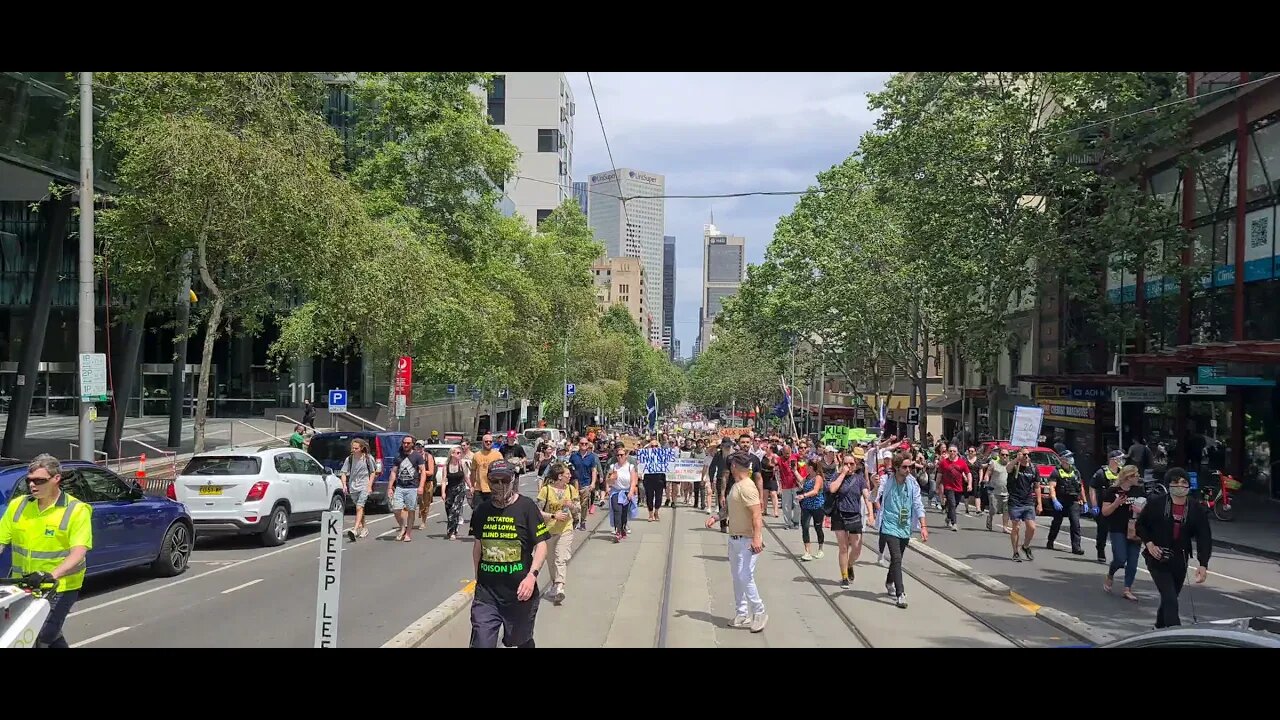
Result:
[783,408]
[652,406]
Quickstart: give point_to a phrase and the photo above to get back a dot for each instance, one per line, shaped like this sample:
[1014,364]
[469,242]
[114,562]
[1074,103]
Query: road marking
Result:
[228,591]
[180,581]
[1024,603]
[1247,602]
[96,638]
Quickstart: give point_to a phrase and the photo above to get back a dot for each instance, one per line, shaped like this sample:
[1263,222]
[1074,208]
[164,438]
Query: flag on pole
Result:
[652,406]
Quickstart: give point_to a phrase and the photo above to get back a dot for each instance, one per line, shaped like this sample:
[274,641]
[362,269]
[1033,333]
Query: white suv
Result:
[262,492]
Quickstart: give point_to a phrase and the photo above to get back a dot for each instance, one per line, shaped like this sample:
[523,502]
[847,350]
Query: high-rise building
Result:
[634,229]
[723,268]
[583,195]
[536,110]
[675,348]
[668,294]
[621,280]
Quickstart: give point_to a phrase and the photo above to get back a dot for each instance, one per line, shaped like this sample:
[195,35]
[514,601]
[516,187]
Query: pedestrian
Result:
[1103,478]
[655,460]
[1066,494]
[788,484]
[769,476]
[997,481]
[1025,503]
[585,466]
[428,495]
[901,514]
[409,480]
[1118,504]
[309,414]
[480,463]
[852,492]
[624,483]
[1166,526]
[559,502]
[50,532]
[508,555]
[357,474]
[717,475]
[955,474]
[457,477]
[811,509]
[976,490]
[298,440]
[746,542]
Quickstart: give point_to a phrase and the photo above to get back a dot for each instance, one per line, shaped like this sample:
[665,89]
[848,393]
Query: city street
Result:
[1239,585]
[54,434]
[239,594]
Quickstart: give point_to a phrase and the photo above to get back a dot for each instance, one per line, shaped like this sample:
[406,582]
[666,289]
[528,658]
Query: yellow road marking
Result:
[471,587]
[1024,603]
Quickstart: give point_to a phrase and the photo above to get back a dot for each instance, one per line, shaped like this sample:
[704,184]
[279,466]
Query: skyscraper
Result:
[536,110]
[634,229]
[723,268]
[668,294]
[584,197]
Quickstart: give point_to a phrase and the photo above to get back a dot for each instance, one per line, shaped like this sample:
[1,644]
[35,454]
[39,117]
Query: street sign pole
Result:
[86,310]
[328,585]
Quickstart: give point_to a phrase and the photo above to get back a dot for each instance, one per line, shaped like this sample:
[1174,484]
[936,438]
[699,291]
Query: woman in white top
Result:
[623,481]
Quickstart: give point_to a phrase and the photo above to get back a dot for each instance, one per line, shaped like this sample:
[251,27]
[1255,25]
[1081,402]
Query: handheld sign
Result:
[330,575]
[1026,426]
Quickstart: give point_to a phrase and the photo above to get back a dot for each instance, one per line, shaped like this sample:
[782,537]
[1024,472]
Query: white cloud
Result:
[712,133]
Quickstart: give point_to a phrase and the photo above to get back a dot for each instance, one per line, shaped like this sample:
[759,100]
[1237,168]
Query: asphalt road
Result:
[1239,585]
[239,594]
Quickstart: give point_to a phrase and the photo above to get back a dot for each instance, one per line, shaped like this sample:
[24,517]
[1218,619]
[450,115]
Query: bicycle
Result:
[23,610]
[1217,496]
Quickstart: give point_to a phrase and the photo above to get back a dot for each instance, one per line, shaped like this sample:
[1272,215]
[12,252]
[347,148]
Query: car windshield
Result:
[224,465]
[1043,458]
[333,449]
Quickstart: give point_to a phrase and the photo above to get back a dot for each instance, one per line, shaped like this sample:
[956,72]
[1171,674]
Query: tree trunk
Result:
[178,374]
[124,373]
[46,281]
[206,362]
[923,382]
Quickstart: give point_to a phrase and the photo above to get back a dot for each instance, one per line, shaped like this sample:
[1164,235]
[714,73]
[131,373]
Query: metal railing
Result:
[275,438]
[71,452]
[275,428]
[364,424]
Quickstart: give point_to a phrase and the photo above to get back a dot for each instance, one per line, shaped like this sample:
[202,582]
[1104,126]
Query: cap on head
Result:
[829,448]
[501,470]
[1115,455]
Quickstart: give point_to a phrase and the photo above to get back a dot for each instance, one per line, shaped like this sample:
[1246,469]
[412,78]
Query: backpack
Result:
[368,463]
[570,502]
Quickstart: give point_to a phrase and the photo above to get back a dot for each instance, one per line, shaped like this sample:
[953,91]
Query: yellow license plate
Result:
[211,490]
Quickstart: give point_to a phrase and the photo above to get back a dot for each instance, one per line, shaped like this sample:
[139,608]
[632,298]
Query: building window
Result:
[498,101]
[543,215]
[548,140]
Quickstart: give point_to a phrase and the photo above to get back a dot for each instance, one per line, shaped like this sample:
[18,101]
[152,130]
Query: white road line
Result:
[1248,602]
[180,581]
[96,638]
[228,591]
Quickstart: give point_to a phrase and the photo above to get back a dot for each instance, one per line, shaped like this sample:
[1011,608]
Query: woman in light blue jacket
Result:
[901,513]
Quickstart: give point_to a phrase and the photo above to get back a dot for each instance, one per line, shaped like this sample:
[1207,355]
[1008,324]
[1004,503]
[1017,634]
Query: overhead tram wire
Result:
[616,178]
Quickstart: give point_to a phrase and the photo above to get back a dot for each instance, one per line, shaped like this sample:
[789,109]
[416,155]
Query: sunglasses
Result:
[38,480]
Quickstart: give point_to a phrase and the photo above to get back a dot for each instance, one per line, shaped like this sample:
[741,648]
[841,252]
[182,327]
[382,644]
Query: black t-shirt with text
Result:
[1120,518]
[507,537]
[1022,486]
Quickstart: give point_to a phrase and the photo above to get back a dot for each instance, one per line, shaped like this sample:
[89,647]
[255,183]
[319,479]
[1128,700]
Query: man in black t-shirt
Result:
[1025,502]
[508,554]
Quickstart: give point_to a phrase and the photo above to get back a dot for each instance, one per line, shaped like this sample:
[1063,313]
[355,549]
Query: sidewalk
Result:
[1255,529]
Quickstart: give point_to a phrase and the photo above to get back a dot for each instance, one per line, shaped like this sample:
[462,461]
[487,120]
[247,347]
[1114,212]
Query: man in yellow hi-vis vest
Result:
[50,533]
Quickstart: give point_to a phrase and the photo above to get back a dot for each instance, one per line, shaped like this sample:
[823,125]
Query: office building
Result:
[621,280]
[668,293]
[634,229]
[536,110]
[675,348]
[723,268]
[583,196]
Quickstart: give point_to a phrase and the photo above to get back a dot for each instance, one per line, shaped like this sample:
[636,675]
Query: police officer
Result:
[50,532]
[1104,478]
[1066,492]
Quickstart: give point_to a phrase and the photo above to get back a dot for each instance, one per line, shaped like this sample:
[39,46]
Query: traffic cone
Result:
[141,473]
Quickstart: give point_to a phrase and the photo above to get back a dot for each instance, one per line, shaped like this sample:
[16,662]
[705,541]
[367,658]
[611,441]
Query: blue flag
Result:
[652,406]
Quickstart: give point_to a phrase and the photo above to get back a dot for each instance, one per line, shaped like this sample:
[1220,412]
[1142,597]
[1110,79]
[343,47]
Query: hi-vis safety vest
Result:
[1068,482]
[42,539]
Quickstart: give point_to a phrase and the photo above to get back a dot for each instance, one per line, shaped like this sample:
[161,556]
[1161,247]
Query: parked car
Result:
[130,528]
[1254,632]
[332,448]
[1046,460]
[263,492]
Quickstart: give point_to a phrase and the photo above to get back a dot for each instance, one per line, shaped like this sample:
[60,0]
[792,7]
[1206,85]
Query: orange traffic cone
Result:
[141,473]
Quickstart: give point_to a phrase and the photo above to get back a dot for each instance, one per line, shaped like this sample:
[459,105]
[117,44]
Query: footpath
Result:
[668,585]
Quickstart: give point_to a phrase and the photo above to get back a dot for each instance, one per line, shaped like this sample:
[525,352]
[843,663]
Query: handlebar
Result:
[41,589]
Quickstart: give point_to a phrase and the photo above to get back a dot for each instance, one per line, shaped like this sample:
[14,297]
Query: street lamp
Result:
[805,401]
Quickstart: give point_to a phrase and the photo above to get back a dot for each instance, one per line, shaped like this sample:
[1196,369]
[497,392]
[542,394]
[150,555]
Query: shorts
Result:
[405,499]
[515,620]
[359,496]
[999,504]
[771,486]
[848,522]
[1022,512]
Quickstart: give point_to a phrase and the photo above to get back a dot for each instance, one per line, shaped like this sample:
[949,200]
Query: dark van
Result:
[332,449]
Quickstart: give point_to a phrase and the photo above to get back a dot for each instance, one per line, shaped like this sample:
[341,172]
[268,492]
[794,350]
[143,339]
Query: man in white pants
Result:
[746,541]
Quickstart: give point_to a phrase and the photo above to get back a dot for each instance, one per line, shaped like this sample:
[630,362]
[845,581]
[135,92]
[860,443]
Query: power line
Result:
[752,193]
[614,165]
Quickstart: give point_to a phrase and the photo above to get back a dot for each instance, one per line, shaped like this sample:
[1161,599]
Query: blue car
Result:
[130,528]
[332,448]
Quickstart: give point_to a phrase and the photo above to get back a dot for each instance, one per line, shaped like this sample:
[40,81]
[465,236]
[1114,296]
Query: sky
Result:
[711,133]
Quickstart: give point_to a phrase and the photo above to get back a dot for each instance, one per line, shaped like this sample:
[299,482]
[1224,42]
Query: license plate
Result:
[211,490]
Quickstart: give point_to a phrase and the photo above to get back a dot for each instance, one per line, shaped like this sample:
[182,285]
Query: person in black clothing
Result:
[508,554]
[718,474]
[1066,493]
[1025,502]
[1103,478]
[1121,505]
[1166,527]
[309,414]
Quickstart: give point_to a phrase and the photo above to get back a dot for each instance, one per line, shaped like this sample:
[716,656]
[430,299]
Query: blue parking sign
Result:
[452,389]
[337,401]
[570,389]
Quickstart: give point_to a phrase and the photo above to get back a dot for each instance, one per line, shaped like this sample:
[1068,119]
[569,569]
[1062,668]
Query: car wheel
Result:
[339,505]
[277,530]
[175,551]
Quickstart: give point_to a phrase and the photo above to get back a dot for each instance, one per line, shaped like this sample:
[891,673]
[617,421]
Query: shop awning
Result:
[1087,379]
[1244,351]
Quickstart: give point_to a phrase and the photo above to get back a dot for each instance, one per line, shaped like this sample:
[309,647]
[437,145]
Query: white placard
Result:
[93,376]
[689,471]
[1026,426]
[327,588]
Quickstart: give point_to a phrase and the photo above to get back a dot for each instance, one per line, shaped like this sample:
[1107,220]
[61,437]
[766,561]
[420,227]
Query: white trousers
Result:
[742,563]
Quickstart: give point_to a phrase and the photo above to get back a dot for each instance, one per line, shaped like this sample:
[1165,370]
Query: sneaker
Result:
[818,555]
[1102,558]
[591,509]
[850,573]
[902,600]
[844,583]
[364,531]
[1077,551]
[955,528]
[557,593]
[1016,556]
[741,621]
[889,589]
[759,622]
[351,534]
[806,557]
[1026,550]
[1048,545]
[617,538]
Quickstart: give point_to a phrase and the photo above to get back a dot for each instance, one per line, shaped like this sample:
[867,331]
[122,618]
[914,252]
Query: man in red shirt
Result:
[956,474]
[788,484]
